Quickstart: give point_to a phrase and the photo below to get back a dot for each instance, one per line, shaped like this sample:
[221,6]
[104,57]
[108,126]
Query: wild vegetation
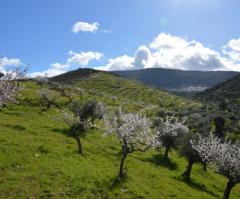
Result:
[160,138]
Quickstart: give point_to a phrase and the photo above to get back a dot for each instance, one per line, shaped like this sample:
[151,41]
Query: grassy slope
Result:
[38,160]
[132,96]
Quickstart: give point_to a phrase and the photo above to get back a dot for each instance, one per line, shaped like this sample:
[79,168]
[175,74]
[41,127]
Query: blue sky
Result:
[128,34]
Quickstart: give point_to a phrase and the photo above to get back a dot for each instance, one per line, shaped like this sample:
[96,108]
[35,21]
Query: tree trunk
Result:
[48,105]
[92,120]
[166,152]
[205,167]
[80,149]
[121,171]
[187,173]
[228,189]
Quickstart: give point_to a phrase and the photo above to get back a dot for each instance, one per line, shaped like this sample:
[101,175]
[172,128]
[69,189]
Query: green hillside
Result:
[226,94]
[228,90]
[39,160]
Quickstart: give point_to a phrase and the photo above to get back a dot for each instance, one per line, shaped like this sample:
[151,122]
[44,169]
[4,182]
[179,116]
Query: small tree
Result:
[76,128]
[197,123]
[186,150]
[66,91]
[95,110]
[167,132]
[41,80]
[224,156]
[133,133]
[78,121]
[9,84]
[48,98]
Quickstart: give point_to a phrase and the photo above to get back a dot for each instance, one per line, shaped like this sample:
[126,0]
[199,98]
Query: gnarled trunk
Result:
[205,167]
[167,149]
[228,188]
[121,169]
[187,173]
[74,132]
[80,149]
[49,105]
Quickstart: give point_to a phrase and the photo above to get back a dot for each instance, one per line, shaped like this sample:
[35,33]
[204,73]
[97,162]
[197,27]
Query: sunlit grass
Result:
[38,159]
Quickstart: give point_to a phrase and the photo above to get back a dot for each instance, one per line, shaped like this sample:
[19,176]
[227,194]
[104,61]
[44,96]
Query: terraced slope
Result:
[117,91]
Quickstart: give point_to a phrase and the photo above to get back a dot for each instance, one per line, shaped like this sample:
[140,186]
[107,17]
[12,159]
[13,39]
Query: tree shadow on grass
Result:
[160,160]
[16,127]
[64,131]
[14,113]
[196,185]
[116,182]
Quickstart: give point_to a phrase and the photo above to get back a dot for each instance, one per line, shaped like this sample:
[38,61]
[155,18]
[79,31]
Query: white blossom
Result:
[170,127]
[132,130]
[9,85]
[69,118]
[48,95]
[41,79]
[223,155]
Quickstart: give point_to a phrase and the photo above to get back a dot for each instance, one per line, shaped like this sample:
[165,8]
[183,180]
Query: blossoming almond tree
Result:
[167,131]
[133,133]
[9,84]
[223,155]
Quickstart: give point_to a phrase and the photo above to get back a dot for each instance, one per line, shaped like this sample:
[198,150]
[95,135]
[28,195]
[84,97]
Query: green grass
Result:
[38,159]
[132,96]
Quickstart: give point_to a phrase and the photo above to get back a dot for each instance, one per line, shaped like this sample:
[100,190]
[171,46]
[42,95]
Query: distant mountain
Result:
[228,90]
[177,80]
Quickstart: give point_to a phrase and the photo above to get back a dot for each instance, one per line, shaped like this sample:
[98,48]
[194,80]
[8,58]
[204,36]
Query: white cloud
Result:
[107,31]
[143,57]
[234,44]
[81,26]
[168,51]
[75,60]
[119,63]
[125,62]
[232,50]
[167,41]
[165,51]
[232,54]
[83,58]
[4,61]
[55,69]
[177,52]
[8,62]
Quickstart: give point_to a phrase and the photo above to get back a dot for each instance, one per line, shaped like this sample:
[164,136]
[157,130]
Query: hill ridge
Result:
[173,79]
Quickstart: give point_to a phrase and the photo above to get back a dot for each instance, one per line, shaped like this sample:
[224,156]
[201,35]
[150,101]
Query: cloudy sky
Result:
[55,36]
